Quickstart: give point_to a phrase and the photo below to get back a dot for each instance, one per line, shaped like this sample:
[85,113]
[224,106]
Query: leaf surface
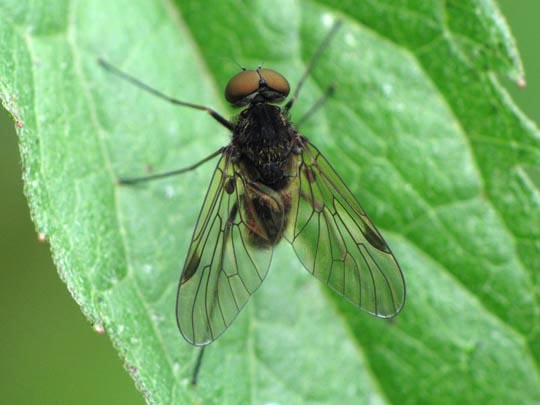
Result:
[420,128]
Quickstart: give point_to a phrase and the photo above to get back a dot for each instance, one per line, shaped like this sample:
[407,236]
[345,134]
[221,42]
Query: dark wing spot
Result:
[375,240]
[190,269]
[230,185]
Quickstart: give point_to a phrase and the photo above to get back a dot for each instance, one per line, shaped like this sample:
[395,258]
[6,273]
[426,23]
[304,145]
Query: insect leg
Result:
[172,173]
[322,47]
[197,367]
[123,75]
[318,104]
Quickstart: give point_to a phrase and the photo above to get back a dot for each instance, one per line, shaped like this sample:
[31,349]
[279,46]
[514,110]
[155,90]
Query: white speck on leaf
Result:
[328,20]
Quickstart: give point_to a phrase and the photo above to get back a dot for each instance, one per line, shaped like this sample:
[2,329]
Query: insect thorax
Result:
[263,139]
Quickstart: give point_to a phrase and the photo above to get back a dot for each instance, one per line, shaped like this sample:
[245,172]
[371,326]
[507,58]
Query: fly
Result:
[271,183]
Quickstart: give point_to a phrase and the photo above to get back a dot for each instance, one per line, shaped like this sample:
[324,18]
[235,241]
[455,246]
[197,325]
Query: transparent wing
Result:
[337,242]
[222,269]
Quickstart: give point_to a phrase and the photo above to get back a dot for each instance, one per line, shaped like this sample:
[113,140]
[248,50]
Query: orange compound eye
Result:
[275,81]
[265,84]
[242,85]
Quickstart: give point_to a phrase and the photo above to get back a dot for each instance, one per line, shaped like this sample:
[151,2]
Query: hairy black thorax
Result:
[262,141]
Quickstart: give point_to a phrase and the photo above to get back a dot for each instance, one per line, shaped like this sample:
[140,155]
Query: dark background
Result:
[49,353]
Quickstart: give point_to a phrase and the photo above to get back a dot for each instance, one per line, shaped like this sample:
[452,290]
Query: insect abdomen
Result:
[267,214]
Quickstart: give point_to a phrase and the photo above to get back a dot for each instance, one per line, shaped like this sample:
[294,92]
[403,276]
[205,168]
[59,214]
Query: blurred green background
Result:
[49,353]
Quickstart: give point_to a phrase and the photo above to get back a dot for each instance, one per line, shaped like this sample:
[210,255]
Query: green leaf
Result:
[420,128]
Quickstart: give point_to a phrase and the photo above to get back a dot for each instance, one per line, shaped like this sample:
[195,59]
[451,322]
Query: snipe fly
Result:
[271,183]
